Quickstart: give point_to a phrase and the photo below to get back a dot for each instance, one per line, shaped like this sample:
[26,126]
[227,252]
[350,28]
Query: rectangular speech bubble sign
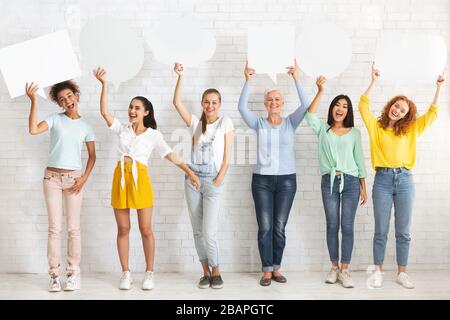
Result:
[45,60]
[271,49]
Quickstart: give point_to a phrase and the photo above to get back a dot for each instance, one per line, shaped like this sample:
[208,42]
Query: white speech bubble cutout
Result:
[111,44]
[407,58]
[181,40]
[271,49]
[323,49]
[45,61]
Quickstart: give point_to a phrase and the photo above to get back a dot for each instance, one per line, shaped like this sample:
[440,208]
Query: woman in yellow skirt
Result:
[132,188]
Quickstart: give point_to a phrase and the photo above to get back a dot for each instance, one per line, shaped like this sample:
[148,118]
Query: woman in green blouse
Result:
[343,173]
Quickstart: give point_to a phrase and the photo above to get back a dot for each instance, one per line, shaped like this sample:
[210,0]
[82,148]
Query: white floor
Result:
[179,286]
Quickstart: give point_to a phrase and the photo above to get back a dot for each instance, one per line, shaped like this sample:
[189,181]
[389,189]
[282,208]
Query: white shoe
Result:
[403,280]
[73,282]
[376,279]
[55,284]
[125,281]
[345,279]
[332,275]
[148,283]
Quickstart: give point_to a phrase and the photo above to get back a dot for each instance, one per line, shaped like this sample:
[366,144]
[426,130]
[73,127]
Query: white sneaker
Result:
[148,283]
[403,280]
[345,279]
[375,280]
[55,284]
[125,281]
[332,275]
[73,282]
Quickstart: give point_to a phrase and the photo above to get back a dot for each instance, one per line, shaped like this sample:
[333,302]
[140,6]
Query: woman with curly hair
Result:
[393,153]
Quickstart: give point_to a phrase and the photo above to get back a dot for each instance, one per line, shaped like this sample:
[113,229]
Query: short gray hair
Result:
[273,89]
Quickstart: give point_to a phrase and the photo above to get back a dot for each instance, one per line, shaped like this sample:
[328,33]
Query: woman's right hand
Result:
[320,82]
[179,69]
[100,74]
[31,90]
[248,72]
[195,181]
[375,72]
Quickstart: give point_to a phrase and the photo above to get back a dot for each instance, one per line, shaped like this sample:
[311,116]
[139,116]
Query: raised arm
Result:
[439,82]
[297,116]
[185,114]
[320,82]
[33,126]
[100,74]
[250,119]
[375,75]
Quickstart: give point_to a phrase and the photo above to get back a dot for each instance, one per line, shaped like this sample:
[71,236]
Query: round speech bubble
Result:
[410,58]
[323,49]
[181,40]
[111,44]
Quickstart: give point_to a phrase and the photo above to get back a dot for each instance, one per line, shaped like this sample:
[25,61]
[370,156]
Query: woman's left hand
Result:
[78,185]
[363,196]
[218,180]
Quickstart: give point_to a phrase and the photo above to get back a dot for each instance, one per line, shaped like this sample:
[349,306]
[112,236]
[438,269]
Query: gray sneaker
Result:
[216,282]
[204,282]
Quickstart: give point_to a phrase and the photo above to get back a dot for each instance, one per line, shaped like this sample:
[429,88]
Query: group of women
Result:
[392,135]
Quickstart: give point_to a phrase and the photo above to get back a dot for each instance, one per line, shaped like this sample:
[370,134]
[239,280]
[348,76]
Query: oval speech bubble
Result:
[181,40]
[410,58]
[323,49]
[113,45]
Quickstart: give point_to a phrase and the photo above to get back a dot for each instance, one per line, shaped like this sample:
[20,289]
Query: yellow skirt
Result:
[129,196]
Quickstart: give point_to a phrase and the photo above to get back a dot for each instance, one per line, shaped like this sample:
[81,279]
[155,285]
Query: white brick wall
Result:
[23,218]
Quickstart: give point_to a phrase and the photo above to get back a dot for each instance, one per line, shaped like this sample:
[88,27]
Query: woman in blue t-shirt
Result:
[63,179]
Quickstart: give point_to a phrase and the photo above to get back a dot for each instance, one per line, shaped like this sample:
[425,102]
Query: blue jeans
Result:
[392,186]
[340,210]
[204,208]
[273,196]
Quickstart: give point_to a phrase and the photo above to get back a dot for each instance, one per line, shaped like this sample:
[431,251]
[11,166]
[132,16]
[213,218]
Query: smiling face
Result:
[68,100]
[211,104]
[340,110]
[398,110]
[136,111]
[273,101]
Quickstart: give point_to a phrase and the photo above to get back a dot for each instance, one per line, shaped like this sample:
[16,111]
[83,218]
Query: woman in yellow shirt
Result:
[393,153]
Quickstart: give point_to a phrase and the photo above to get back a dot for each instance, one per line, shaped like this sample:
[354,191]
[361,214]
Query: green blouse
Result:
[338,153]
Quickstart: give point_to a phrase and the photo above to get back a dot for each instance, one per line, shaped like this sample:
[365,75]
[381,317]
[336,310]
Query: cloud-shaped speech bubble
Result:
[410,58]
[271,49]
[181,40]
[323,49]
[113,45]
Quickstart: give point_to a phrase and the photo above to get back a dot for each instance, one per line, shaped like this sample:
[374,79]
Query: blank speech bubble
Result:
[271,49]
[407,58]
[45,60]
[181,40]
[111,44]
[323,49]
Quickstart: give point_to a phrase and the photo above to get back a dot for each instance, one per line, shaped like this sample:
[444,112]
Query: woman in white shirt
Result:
[211,148]
[132,188]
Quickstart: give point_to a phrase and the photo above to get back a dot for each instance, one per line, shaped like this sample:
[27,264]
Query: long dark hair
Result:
[348,120]
[149,120]
[203,117]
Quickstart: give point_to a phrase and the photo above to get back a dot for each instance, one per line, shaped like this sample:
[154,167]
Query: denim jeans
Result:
[273,196]
[340,210]
[392,186]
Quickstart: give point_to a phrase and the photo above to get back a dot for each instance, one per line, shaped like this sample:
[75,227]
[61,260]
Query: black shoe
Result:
[216,282]
[265,281]
[280,279]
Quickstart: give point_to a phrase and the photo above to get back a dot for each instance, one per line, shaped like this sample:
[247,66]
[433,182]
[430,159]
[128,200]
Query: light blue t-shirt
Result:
[275,144]
[66,141]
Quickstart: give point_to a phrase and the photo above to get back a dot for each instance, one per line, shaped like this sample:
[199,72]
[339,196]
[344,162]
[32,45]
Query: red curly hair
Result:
[402,126]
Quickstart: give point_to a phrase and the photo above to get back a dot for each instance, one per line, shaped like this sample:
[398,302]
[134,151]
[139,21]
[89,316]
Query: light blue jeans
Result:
[392,185]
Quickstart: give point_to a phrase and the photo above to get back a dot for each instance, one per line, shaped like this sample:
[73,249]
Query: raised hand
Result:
[440,81]
[31,90]
[178,68]
[248,72]
[320,82]
[293,70]
[375,72]
[100,74]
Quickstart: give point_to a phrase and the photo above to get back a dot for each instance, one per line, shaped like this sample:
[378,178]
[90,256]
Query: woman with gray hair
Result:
[274,181]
